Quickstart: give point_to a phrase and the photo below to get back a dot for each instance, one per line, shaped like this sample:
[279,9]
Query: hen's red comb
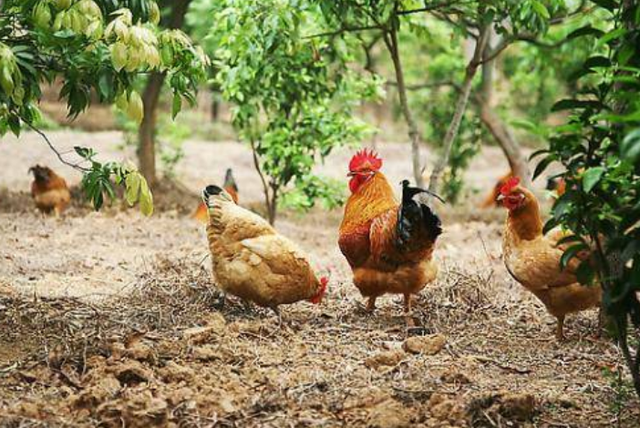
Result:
[365,158]
[509,185]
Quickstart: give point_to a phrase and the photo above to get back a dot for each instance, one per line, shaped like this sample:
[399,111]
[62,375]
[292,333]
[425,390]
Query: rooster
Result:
[389,245]
[252,261]
[533,259]
[230,187]
[49,191]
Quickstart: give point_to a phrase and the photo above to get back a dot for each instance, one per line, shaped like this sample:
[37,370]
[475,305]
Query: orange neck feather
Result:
[372,199]
[525,220]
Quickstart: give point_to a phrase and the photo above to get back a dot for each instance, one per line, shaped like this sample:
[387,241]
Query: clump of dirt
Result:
[171,195]
[15,202]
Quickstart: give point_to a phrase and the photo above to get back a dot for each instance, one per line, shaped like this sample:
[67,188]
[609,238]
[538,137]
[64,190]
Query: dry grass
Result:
[164,354]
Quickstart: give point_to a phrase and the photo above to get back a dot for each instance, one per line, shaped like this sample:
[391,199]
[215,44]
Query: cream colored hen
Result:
[533,258]
[252,261]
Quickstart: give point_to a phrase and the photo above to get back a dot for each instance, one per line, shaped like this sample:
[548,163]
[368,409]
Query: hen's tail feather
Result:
[229,181]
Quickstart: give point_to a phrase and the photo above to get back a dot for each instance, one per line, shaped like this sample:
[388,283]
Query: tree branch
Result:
[423,9]
[75,166]
[391,40]
[461,106]
[265,186]
[418,86]
[345,30]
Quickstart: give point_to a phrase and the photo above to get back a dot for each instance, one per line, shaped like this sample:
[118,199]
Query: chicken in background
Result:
[49,191]
[492,198]
[533,259]
[231,188]
[389,245]
[252,261]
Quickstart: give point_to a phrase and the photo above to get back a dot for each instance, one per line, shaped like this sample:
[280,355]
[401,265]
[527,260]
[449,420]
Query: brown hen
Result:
[49,191]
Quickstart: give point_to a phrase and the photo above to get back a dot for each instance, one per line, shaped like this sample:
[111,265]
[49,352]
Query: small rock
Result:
[132,373]
[174,372]
[389,358]
[445,409]
[427,345]
[508,405]
[453,376]
[199,335]
[140,352]
[520,407]
[389,414]
[206,353]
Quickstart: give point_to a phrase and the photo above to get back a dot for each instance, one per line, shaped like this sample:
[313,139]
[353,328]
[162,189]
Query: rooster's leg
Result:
[560,329]
[371,304]
[407,303]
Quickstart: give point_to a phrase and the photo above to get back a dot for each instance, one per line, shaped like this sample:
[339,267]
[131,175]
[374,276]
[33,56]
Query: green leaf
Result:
[542,166]
[569,104]
[570,253]
[538,153]
[146,198]
[540,9]
[610,5]
[176,106]
[630,147]
[597,61]
[591,177]
[133,183]
[585,31]
[585,273]
[570,238]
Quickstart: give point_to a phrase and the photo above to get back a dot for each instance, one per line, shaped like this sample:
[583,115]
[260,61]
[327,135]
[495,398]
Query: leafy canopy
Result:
[599,147]
[292,94]
[92,46]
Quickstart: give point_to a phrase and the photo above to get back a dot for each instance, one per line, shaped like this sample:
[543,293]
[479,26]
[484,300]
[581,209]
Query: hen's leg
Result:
[221,301]
[371,304]
[278,314]
[560,329]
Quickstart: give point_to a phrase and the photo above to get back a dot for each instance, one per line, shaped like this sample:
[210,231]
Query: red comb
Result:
[365,159]
[509,185]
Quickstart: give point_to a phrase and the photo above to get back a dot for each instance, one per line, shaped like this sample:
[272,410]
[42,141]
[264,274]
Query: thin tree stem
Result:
[265,186]
[461,106]
[391,40]
[75,166]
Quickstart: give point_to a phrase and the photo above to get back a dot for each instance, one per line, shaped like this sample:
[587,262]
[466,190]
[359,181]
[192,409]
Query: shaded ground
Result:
[98,309]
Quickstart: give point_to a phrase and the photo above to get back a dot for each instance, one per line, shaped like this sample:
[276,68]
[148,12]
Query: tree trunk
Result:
[215,108]
[391,40]
[146,133]
[461,105]
[498,129]
[150,98]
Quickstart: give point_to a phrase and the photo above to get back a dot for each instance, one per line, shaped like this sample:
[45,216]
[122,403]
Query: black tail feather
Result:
[416,218]
[210,190]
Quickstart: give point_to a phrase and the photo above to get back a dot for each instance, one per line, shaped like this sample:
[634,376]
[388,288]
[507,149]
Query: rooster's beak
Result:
[351,174]
[500,197]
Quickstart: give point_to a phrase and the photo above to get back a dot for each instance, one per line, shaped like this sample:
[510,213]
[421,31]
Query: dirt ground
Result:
[111,319]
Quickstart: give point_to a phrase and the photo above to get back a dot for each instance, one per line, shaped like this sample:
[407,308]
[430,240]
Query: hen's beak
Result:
[500,197]
[351,174]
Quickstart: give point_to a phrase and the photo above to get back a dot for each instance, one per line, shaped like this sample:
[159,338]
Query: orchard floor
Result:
[111,319]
